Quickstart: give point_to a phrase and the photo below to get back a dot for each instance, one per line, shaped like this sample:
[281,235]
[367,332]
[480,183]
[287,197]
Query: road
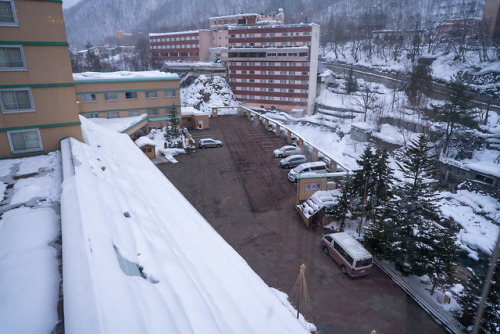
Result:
[246,197]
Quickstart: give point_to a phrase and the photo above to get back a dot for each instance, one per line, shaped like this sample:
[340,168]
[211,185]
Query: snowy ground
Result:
[143,259]
[29,226]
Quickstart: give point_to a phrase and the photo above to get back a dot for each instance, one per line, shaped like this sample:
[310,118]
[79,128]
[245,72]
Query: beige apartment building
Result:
[129,94]
[37,93]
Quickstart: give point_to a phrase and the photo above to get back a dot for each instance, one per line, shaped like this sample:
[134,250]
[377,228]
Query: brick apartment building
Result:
[269,64]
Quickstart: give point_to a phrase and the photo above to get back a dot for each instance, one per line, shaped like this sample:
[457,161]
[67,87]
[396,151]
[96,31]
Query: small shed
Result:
[192,118]
[313,212]
[147,146]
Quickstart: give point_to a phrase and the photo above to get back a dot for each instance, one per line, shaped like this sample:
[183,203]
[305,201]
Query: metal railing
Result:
[284,127]
[442,316]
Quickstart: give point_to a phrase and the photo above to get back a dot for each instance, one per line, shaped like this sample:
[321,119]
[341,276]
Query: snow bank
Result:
[189,279]
[118,124]
[122,76]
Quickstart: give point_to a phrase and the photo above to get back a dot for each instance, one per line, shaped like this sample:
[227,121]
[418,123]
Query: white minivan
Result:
[353,259]
[318,167]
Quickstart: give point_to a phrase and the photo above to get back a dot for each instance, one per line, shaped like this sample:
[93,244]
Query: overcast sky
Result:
[69,3]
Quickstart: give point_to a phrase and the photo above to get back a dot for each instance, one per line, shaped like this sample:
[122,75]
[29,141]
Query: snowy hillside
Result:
[94,20]
[205,93]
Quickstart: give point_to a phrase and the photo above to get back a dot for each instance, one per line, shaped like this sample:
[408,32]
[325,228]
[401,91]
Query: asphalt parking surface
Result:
[246,197]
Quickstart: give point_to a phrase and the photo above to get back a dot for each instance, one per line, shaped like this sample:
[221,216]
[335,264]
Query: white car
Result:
[209,142]
[286,151]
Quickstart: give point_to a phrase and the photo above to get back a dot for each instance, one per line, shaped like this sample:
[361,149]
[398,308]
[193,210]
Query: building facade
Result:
[269,64]
[37,94]
[491,18]
[274,67]
[128,94]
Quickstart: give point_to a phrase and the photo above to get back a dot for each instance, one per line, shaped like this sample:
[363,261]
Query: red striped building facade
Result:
[274,66]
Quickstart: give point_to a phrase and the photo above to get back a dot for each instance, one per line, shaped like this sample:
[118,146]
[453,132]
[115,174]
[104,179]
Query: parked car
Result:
[353,259]
[209,142]
[292,161]
[318,167]
[286,151]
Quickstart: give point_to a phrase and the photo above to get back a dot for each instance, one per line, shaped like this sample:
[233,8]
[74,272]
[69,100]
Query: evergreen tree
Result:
[469,298]
[351,84]
[419,83]
[343,206]
[457,114]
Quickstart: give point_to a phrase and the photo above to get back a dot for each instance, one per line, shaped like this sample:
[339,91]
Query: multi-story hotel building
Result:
[128,94]
[37,94]
[274,66]
[270,64]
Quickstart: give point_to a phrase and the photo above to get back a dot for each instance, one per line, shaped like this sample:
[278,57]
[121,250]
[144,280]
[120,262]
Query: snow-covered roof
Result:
[191,111]
[233,16]
[173,33]
[139,258]
[274,27]
[93,77]
[119,124]
[144,140]
[317,201]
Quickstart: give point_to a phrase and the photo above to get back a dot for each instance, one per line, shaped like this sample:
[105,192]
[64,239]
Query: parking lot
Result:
[246,197]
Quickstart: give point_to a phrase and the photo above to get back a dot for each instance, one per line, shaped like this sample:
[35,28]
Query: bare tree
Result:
[366,100]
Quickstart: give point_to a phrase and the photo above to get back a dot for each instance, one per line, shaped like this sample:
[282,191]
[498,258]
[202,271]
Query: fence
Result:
[442,316]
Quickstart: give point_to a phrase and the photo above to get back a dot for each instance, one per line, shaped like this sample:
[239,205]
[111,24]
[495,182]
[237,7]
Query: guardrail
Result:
[284,127]
[442,316]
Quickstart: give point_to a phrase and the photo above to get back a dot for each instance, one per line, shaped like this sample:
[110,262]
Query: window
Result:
[283,72]
[110,96]
[153,112]
[89,97]
[11,58]
[92,115]
[25,141]
[170,111]
[283,63]
[151,94]
[113,114]
[169,93]
[18,100]
[7,13]
[133,113]
[130,95]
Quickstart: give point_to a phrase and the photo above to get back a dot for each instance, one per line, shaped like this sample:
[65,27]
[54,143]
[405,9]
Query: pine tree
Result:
[470,297]
[419,83]
[343,206]
[351,84]
[458,113]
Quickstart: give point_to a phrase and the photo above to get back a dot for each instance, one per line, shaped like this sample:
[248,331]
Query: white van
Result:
[353,259]
[318,167]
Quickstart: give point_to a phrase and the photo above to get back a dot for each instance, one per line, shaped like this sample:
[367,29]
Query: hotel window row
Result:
[283,81]
[173,39]
[129,95]
[271,34]
[175,46]
[268,72]
[268,44]
[166,111]
[271,98]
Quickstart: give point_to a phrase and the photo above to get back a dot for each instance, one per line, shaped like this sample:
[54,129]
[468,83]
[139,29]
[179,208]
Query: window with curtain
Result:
[16,100]
[25,140]
[11,58]
[7,13]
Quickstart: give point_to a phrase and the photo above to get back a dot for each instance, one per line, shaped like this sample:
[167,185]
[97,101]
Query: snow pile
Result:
[29,226]
[123,76]
[205,93]
[477,214]
[119,124]
[140,259]
[319,200]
